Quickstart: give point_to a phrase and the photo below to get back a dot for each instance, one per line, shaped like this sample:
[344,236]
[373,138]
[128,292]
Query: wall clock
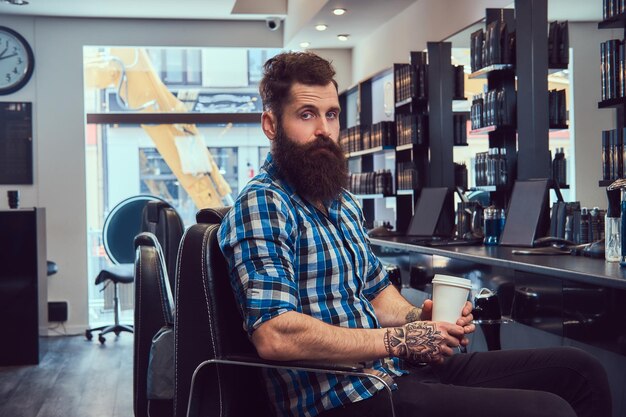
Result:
[16,61]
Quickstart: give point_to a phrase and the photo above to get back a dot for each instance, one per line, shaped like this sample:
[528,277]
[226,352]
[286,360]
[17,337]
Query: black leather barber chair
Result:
[155,272]
[215,363]
[121,226]
[154,311]
[162,220]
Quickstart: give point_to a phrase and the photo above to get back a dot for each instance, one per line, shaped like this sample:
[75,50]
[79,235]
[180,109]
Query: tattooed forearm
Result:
[414,315]
[418,341]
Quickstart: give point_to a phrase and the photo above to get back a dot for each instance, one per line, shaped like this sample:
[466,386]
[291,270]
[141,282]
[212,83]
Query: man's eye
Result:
[331,115]
[307,115]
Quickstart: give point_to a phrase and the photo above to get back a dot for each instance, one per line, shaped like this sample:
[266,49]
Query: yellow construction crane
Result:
[131,72]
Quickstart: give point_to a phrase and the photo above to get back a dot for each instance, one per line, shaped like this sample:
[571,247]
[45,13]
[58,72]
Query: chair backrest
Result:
[121,225]
[208,325]
[153,310]
[165,223]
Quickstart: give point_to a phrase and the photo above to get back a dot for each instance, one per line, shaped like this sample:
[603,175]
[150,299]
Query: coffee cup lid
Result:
[454,281]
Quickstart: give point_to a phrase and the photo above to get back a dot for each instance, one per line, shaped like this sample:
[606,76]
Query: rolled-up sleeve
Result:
[258,239]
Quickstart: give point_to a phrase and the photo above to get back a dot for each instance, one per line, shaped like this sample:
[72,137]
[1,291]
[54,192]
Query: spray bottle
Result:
[616,236]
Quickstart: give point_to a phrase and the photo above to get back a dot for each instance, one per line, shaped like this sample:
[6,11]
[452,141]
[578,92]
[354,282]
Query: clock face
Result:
[16,61]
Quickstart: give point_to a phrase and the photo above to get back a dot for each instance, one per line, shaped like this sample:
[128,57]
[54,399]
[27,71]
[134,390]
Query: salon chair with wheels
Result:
[214,360]
[121,226]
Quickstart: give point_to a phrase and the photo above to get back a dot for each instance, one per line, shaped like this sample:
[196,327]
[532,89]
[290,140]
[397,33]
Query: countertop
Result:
[575,268]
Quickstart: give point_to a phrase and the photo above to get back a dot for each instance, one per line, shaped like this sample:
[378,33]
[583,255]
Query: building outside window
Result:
[150,111]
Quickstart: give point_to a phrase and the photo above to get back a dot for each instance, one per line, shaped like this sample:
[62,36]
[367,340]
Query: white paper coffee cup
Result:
[449,296]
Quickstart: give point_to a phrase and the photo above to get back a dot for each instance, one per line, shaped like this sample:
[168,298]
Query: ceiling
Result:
[362,17]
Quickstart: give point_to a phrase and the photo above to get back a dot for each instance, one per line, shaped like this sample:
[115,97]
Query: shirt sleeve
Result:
[258,239]
[376,279]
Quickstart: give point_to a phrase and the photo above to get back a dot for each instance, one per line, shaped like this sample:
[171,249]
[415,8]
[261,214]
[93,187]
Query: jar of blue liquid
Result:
[494,223]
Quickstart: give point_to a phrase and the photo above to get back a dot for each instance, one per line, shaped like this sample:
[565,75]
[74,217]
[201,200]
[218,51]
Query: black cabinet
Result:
[23,289]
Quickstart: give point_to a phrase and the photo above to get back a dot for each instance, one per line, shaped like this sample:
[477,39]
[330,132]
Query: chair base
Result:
[115,328]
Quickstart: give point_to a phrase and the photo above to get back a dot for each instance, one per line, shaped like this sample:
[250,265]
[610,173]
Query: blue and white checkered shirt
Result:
[285,255]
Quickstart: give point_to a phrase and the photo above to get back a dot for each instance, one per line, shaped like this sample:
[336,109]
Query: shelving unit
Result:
[358,115]
[501,77]
[430,152]
[526,140]
[617,103]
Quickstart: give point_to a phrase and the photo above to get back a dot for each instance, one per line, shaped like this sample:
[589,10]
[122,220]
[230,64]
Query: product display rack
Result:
[615,21]
[411,158]
[356,120]
[429,78]
[526,138]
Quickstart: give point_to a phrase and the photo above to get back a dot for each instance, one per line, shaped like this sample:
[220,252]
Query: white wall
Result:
[56,91]
[342,62]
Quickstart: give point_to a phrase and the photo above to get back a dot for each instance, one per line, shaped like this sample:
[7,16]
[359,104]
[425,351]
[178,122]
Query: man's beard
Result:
[317,170]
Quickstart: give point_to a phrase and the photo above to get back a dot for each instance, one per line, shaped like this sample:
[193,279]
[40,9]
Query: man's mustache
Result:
[322,142]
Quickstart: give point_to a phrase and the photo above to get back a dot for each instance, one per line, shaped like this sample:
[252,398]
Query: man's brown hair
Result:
[287,68]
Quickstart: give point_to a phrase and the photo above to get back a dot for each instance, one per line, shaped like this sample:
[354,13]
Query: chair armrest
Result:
[320,366]
[307,366]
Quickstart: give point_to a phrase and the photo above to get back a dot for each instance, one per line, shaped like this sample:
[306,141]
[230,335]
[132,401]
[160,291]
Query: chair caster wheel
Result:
[117,332]
[101,339]
[88,335]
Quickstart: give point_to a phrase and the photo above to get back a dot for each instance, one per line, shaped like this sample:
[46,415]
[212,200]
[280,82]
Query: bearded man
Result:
[310,288]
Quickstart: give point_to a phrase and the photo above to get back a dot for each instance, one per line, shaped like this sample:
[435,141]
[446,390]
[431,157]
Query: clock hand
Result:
[8,56]
[5,49]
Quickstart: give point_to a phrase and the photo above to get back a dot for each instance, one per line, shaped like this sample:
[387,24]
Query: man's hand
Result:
[423,341]
[465,321]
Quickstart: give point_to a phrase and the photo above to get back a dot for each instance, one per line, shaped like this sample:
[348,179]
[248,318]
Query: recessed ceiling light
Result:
[17,2]
[305,44]
[339,11]
[321,27]
[343,37]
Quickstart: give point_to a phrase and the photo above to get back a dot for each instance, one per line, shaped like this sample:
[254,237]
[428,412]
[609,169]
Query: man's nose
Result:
[322,128]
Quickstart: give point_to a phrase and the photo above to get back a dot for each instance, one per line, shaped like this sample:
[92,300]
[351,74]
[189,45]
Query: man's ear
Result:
[269,124]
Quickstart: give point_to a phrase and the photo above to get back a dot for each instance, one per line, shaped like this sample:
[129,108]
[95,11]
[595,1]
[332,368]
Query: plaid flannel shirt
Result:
[285,255]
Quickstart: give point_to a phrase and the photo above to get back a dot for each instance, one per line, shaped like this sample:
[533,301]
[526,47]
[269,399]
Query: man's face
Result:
[304,142]
[311,111]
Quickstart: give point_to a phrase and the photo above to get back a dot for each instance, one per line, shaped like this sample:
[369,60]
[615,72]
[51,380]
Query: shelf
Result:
[483,72]
[616,22]
[606,183]
[460,144]
[412,100]
[559,127]
[369,151]
[612,102]
[492,128]
[554,68]
[406,146]
[459,98]
[371,196]
[405,192]
[490,188]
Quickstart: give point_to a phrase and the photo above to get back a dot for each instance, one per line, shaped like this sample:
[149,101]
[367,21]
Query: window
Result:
[145,130]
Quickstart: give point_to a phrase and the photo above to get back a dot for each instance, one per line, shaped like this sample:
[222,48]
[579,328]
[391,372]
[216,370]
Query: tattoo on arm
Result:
[414,315]
[420,342]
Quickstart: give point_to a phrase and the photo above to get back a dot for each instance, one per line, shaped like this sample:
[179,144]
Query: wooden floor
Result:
[75,378]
